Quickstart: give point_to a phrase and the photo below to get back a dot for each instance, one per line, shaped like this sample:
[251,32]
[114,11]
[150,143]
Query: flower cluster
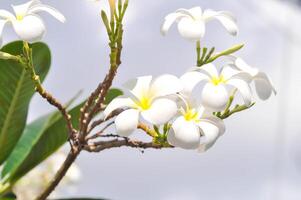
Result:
[25,21]
[196,123]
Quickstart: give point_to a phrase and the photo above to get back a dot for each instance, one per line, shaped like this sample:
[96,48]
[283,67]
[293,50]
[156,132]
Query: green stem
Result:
[198,51]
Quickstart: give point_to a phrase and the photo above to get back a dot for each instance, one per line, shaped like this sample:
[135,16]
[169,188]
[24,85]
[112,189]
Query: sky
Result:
[258,157]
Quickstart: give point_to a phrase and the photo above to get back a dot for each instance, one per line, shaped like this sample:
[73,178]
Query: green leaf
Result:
[8,196]
[225,53]
[16,90]
[112,94]
[41,138]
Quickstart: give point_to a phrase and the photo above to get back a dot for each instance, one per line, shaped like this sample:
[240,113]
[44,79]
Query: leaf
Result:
[41,138]
[8,196]
[112,94]
[16,90]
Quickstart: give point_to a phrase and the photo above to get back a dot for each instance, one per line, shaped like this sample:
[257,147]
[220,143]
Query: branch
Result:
[28,63]
[100,146]
[60,174]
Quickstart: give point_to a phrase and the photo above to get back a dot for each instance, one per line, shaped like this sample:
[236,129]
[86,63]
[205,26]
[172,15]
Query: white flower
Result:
[26,23]
[263,84]
[194,129]
[215,94]
[149,97]
[191,22]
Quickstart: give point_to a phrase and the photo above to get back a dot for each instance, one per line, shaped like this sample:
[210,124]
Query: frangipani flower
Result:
[191,22]
[215,94]
[193,129]
[150,99]
[263,84]
[26,23]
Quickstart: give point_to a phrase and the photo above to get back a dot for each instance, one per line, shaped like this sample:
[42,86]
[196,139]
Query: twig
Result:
[28,63]
[100,132]
[120,143]
[100,121]
[59,175]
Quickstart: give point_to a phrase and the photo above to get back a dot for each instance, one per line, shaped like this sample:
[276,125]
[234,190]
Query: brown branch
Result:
[59,175]
[100,146]
[98,134]
[100,121]
[27,62]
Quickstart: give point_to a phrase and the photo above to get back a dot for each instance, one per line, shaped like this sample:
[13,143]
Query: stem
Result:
[147,130]
[198,51]
[98,147]
[59,175]
[29,67]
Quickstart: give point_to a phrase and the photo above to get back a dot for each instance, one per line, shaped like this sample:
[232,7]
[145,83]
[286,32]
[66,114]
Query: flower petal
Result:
[191,29]
[6,15]
[165,85]
[31,28]
[214,97]
[184,134]
[190,80]
[118,103]
[212,128]
[2,24]
[209,69]
[127,122]
[140,86]
[168,21]
[225,18]
[264,86]
[22,9]
[196,12]
[161,111]
[52,11]
[244,88]
[243,66]
[229,72]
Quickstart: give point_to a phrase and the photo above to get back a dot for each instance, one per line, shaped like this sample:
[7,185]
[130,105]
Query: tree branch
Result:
[59,175]
[125,142]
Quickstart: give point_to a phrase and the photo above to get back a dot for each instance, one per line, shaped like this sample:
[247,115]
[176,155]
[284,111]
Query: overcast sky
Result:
[258,158]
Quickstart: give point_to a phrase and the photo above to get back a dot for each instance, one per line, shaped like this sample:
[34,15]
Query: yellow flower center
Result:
[144,103]
[20,17]
[218,80]
[190,115]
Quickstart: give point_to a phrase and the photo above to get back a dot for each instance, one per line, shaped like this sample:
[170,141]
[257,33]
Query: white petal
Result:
[118,103]
[2,24]
[229,72]
[212,128]
[161,111]
[190,80]
[264,86]
[140,86]
[6,15]
[243,66]
[244,88]
[184,134]
[31,28]
[214,97]
[225,18]
[168,21]
[191,29]
[196,12]
[165,85]
[210,70]
[127,122]
[22,9]
[52,11]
